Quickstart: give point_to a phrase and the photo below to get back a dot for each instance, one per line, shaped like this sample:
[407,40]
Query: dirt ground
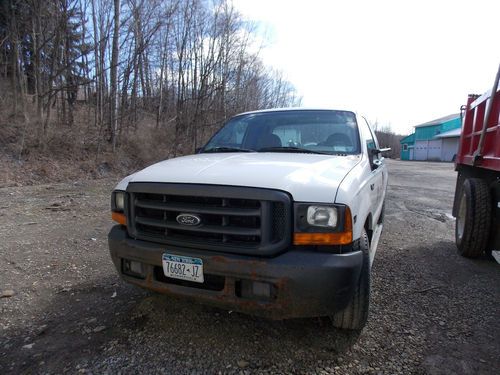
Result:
[432,311]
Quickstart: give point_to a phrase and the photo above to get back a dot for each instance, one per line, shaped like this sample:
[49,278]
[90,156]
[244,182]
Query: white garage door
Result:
[428,150]
[434,150]
[450,148]
[420,152]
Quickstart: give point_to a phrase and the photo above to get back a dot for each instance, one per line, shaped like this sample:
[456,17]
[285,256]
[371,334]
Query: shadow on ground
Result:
[88,324]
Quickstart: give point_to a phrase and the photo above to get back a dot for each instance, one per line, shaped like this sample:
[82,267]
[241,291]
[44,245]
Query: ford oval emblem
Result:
[188,219]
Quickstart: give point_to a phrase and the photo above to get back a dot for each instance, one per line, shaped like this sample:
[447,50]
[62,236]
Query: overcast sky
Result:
[398,62]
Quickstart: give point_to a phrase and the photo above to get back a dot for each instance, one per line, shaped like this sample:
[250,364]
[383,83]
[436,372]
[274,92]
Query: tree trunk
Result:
[97,68]
[114,74]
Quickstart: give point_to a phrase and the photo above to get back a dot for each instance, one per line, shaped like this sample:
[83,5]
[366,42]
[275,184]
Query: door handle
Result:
[372,186]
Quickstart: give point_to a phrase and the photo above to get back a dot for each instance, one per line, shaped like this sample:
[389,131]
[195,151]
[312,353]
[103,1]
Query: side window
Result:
[367,135]
[370,143]
[374,137]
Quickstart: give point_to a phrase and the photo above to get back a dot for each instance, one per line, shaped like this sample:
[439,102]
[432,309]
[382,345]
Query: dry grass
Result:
[76,152]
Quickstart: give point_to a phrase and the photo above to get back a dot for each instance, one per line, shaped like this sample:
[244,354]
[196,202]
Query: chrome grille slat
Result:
[204,229]
[197,208]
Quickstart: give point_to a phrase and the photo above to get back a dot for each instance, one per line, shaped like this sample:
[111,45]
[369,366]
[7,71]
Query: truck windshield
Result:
[313,131]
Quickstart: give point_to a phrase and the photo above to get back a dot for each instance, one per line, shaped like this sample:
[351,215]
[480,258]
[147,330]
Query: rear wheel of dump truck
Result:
[472,227]
[355,315]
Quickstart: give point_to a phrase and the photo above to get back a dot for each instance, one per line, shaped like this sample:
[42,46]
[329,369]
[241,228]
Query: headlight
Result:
[322,216]
[118,201]
[118,207]
[318,217]
[322,224]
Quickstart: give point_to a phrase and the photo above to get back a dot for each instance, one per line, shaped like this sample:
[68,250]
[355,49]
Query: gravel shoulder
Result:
[432,311]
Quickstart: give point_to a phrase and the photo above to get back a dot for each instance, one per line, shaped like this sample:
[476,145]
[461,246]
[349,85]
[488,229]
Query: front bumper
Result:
[303,283]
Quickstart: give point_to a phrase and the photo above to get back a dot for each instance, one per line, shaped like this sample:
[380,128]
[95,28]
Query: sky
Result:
[399,63]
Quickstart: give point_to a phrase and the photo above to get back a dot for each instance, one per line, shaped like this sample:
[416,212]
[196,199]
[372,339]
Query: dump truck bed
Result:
[472,151]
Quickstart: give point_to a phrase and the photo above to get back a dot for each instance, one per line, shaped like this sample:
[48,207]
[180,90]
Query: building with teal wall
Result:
[436,140]
[429,130]
[407,144]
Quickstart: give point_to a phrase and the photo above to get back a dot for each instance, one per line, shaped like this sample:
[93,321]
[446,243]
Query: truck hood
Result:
[307,177]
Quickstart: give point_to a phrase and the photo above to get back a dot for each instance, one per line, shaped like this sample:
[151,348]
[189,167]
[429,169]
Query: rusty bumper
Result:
[302,283]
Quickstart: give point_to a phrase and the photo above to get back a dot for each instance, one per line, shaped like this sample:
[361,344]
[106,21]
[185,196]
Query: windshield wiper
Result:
[227,149]
[292,149]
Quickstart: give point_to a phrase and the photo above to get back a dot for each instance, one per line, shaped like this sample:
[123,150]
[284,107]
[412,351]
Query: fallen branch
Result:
[427,289]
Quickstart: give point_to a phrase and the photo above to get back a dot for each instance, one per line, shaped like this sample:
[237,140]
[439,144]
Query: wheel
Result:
[473,221]
[355,315]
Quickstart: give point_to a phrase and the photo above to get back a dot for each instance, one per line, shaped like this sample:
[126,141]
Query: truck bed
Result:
[469,152]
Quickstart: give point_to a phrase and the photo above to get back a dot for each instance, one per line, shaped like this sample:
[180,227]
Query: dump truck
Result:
[477,193]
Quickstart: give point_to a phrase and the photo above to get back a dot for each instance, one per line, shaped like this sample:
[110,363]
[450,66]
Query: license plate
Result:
[183,268]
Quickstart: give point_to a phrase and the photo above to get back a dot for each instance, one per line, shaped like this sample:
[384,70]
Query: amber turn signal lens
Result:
[119,218]
[322,238]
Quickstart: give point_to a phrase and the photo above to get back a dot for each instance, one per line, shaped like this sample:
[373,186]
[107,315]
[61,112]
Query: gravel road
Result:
[64,309]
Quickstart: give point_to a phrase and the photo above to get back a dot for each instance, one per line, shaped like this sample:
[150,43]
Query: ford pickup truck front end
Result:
[262,231]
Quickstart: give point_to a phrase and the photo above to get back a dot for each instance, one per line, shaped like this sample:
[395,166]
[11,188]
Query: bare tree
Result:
[114,73]
[180,67]
[387,138]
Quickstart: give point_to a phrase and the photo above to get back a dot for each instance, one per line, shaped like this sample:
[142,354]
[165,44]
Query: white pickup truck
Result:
[279,215]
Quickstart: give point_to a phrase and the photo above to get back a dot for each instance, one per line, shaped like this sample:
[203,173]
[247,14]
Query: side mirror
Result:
[375,163]
[376,151]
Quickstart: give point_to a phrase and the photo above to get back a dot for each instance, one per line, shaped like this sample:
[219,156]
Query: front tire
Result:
[355,315]
[473,220]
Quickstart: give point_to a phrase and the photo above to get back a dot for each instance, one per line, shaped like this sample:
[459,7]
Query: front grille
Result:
[233,219]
